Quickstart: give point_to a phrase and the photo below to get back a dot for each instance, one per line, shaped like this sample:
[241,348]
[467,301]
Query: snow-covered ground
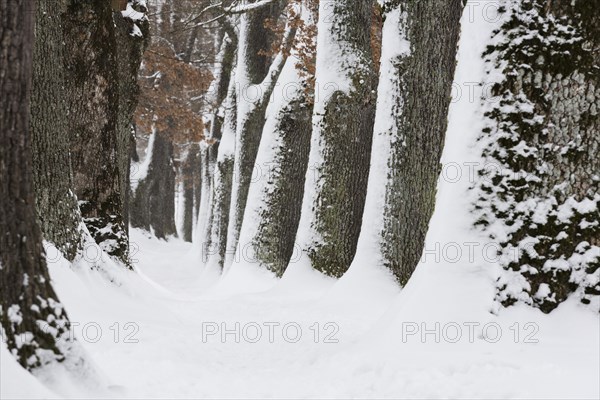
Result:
[157,338]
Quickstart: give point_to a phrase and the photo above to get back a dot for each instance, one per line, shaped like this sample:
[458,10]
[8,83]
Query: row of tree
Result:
[341,108]
[335,123]
[323,115]
[174,79]
[69,91]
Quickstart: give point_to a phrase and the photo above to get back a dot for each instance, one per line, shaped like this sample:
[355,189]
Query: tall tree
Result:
[419,48]
[218,101]
[214,246]
[275,199]
[132,33]
[101,66]
[93,106]
[255,75]
[170,106]
[191,184]
[251,82]
[153,206]
[57,207]
[540,199]
[27,299]
[336,182]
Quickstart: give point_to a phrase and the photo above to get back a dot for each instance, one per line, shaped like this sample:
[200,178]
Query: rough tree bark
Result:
[275,200]
[215,246]
[540,201]
[254,76]
[102,63]
[423,82]
[93,113]
[132,33]
[28,303]
[336,182]
[57,207]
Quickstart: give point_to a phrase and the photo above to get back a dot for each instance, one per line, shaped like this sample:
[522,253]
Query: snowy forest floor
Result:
[161,347]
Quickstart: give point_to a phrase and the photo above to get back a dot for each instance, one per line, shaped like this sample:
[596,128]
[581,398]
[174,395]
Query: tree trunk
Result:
[282,184]
[57,207]
[190,44]
[541,198]
[214,248]
[132,39]
[217,94]
[421,77]
[275,199]
[252,68]
[192,181]
[153,203]
[336,182]
[27,296]
[98,118]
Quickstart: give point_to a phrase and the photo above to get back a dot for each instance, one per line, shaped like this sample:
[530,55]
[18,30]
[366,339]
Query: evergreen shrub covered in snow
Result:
[538,193]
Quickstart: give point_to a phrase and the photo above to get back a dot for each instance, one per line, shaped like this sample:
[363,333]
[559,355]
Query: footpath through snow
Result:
[158,336]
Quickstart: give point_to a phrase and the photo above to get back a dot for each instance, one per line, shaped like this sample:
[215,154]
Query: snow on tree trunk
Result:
[538,196]
[214,247]
[418,62]
[275,199]
[254,79]
[210,149]
[191,183]
[203,207]
[132,37]
[153,201]
[93,112]
[336,181]
[33,321]
[56,204]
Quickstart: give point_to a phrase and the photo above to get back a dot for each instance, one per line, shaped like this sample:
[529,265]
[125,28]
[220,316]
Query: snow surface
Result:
[165,355]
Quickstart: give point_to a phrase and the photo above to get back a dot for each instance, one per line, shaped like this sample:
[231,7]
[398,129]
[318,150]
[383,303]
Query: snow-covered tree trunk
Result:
[132,38]
[203,219]
[275,199]
[539,192]
[192,182]
[28,303]
[255,77]
[417,69]
[56,203]
[336,182]
[153,200]
[210,149]
[93,112]
[215,245]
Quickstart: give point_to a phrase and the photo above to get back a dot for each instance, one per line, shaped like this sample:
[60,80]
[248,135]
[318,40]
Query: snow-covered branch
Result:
[237,7]
[242,8]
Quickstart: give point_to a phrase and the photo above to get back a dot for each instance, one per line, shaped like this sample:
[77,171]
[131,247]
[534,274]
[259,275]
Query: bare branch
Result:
[242,8]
